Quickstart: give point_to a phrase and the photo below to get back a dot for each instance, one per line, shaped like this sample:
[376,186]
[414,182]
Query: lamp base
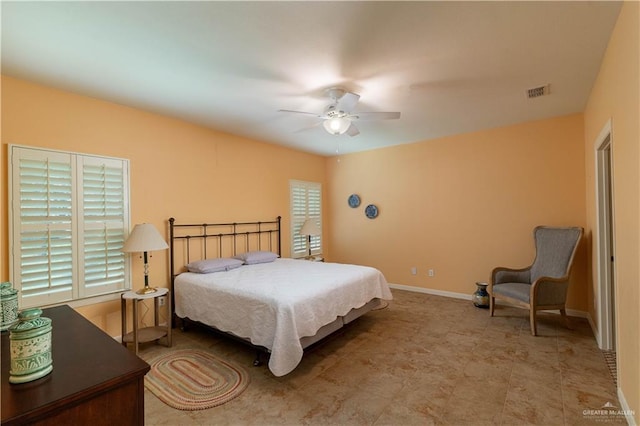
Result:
[146,290]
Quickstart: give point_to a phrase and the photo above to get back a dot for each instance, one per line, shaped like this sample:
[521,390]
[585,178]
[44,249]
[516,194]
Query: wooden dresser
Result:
[95,380]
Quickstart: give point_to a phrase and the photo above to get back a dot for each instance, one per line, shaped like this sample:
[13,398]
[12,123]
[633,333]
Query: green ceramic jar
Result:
[8,306]
[30,346]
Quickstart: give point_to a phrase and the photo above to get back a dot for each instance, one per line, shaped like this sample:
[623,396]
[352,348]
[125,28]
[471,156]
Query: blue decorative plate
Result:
[371,211]
[354,200]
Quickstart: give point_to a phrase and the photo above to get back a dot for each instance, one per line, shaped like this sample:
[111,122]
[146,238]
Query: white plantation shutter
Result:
[69,218]
[102,266]
[306,203]
[46,265]
[298,216]
[43,234]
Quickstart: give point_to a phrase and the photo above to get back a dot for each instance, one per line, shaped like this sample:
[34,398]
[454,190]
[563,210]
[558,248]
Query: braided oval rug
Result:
[190,379]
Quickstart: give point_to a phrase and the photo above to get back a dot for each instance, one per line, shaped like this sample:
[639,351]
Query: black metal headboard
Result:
[194,241]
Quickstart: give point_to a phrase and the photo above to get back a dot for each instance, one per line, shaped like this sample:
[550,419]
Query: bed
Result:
[280,306]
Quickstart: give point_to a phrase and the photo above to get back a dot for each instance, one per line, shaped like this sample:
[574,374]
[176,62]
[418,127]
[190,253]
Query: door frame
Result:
[604,239]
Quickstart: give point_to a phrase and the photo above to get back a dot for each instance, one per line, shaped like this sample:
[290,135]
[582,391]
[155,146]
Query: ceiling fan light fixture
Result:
[337,125]
[338,117]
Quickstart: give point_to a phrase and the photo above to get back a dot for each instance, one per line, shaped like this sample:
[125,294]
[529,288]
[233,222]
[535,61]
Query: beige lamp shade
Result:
[144,237]
[310,227]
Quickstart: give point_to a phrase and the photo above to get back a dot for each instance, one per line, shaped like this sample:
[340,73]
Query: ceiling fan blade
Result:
[353,130]
[348,102]
[308,127]
[301,112]
[375,116]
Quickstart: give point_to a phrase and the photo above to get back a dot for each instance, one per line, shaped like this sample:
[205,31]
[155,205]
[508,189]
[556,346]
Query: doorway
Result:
[604,241]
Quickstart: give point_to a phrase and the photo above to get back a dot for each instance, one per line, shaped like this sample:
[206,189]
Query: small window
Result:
[69,218]
[306,203]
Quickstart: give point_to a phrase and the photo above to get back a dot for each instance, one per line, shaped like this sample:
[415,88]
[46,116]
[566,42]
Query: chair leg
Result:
[492,304]
[532,320]
[563,312]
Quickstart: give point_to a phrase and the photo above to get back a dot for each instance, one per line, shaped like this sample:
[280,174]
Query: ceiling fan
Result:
[338,118]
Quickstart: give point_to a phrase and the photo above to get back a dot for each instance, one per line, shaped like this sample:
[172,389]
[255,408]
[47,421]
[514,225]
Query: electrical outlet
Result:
[414,270]
[431,273]
[161,301]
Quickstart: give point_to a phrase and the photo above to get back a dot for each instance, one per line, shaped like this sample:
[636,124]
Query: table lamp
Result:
[144,238]
[309,228]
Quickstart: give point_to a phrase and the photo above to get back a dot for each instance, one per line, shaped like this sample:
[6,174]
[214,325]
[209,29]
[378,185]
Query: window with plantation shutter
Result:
[102,265]
[306,203]
[69,218]
[43,226]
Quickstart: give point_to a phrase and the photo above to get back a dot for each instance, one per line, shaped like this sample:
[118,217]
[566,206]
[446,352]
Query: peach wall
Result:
[177,169]
[616,96]
[461,205]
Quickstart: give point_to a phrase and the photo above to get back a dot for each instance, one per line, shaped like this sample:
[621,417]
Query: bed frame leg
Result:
[181,323]
[177,322]
[258,361]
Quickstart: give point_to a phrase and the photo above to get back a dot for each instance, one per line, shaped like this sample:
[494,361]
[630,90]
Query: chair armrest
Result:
[550,291]
[510,275]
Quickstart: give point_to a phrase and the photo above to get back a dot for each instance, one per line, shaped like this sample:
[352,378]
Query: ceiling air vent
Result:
[536,92]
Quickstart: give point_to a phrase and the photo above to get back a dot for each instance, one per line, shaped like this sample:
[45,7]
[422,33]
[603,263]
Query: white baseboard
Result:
[570,312]
[594,330]
[574,313]
[628,413]
[431,291]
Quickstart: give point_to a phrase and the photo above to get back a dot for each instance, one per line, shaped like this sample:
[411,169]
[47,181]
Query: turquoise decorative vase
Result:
[30,347]
[8,305]
[480,297]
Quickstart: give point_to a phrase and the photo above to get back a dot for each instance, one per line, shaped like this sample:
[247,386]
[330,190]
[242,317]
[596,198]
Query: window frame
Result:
[109,227]
[311,209]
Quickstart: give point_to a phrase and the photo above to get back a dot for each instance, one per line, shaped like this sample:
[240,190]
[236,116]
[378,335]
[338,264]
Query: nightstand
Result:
[317,258]
[146,334]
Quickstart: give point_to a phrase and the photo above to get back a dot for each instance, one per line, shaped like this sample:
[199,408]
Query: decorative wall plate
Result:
[354,200]
[371,211]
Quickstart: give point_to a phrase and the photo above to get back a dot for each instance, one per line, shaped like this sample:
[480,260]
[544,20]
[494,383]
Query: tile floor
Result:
[422,360]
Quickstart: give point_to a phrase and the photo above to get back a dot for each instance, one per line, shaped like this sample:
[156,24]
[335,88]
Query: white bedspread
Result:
[275,304]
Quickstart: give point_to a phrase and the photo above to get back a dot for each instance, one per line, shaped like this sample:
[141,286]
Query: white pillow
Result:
[253,257]
[207,266]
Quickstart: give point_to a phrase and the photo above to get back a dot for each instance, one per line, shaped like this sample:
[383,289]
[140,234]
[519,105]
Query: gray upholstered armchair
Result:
[543,285]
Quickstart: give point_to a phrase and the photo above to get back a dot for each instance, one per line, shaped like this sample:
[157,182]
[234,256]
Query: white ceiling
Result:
[448,67]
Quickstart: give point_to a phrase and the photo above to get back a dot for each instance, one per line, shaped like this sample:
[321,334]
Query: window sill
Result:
[94,300]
